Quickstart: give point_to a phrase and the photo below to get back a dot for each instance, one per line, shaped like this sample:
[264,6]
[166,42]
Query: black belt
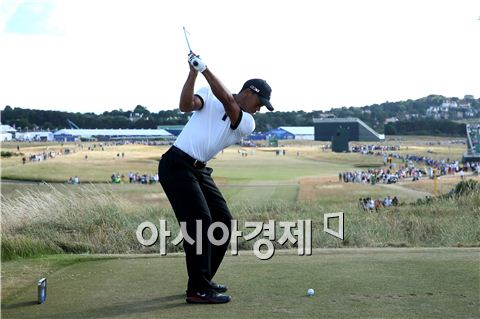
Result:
[194,162]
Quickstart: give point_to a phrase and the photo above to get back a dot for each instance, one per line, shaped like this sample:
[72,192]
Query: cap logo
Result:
[254,88]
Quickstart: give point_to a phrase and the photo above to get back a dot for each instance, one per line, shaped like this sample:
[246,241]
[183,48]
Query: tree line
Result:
[140,117]
[426,127]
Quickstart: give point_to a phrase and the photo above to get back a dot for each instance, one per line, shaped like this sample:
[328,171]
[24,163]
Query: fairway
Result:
[229,166]
[305,173]
[348,283]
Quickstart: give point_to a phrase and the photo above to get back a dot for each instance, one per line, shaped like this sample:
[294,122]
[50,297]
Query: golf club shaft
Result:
[186,38]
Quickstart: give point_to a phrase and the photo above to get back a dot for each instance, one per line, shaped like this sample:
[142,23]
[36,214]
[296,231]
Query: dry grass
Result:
[98,166]
[262,186]
[444,183]
[94,219]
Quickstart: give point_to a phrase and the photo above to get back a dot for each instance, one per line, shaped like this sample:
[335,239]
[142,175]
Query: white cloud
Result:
[7,9]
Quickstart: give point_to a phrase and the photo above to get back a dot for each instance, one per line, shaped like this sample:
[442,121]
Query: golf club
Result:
[185,31]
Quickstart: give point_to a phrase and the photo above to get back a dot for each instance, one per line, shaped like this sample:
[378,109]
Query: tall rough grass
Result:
[88,219]
[94,219]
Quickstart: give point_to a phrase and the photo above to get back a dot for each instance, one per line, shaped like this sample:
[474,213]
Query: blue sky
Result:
[32,18]
[98,55]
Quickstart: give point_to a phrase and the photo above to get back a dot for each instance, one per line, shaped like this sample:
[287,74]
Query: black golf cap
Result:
[263,90]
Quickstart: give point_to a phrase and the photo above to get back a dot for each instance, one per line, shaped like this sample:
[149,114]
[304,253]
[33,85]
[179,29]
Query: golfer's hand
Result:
[196,62]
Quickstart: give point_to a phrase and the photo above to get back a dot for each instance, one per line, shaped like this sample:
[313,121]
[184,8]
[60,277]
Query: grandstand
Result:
[473,143]
[327,128]
[68,135]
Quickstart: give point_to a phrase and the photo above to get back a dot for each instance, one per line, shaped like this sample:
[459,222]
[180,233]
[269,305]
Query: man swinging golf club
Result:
[220,119]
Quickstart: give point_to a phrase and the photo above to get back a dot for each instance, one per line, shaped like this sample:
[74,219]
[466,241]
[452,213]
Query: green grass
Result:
[266,166]
[18,275]
[236,195]
[348,283]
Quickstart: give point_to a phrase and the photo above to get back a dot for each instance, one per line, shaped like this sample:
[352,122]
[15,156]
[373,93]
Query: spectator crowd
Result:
[370,204]
[134,178]
[413,166]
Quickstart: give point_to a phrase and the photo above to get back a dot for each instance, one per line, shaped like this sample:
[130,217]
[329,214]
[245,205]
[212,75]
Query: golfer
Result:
[220,119]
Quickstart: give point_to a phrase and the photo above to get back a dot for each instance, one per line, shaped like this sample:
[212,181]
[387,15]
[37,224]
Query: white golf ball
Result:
[310,292]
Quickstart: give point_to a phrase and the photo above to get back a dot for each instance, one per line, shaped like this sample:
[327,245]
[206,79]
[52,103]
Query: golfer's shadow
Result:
[141,306]
[19,305]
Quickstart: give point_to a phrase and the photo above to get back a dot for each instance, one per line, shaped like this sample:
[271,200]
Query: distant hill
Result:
[431,115]
[377,115]
[388,117]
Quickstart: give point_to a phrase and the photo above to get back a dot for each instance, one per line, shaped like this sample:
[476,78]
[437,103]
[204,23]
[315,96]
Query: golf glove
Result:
[196,62]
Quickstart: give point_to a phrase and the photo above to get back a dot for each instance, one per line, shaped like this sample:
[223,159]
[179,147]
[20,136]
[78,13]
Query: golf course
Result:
[417,259]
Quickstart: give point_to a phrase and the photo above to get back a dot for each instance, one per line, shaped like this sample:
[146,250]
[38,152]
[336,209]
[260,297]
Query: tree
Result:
[21,124]
[141,110]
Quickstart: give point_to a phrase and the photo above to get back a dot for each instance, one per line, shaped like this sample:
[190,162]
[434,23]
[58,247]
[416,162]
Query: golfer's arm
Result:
[188,101]
[223,95]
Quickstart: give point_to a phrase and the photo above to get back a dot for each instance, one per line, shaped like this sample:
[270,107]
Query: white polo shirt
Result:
[210,130]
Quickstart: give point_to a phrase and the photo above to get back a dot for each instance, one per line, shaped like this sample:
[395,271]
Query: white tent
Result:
[115,133]
[34,136]
[5,137]
[300,132]
[6,132]
[7,129]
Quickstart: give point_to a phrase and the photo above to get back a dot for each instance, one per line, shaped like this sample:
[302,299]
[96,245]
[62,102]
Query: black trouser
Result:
[194,196]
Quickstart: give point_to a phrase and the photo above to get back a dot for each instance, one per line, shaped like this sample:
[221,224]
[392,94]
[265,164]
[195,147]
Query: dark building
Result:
[473,143]
[340,141]
[327,128]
